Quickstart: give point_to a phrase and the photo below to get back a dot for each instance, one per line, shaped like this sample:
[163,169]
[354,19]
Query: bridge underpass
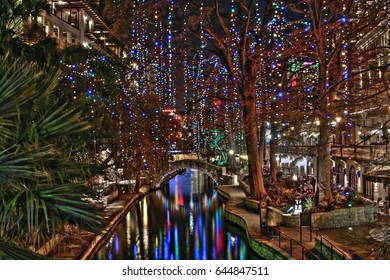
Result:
[216,173]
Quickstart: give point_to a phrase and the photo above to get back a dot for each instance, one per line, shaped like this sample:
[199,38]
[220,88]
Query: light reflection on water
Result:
[184,222]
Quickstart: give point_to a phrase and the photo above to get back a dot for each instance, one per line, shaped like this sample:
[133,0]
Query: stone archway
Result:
[305,168]
[214,172]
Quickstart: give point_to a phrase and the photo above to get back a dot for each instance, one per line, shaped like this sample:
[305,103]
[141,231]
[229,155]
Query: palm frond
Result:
[43,169]
[12,252]
[15,164]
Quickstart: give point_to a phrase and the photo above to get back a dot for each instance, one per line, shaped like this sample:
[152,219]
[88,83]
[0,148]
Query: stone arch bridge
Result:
[215,172]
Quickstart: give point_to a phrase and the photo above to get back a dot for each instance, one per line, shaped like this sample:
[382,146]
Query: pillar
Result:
[82,26]
[69,38]
[60,37]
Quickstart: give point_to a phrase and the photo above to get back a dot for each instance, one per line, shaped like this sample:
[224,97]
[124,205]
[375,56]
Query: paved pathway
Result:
[353,242]
[236,206]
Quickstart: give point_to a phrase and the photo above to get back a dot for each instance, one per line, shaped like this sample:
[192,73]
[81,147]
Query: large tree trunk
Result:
[323,152]
[273,165]
[262,142]
[256,182]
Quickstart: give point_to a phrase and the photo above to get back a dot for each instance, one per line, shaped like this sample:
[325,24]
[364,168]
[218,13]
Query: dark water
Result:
[183,222]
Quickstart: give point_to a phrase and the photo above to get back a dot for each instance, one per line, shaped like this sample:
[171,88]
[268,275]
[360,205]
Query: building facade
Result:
[360,150]
[73,22]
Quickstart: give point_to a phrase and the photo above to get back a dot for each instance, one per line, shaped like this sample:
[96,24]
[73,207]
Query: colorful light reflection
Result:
[183,222]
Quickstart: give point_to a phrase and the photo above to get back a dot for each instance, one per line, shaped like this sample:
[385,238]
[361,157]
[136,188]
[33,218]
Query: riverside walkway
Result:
[353,242]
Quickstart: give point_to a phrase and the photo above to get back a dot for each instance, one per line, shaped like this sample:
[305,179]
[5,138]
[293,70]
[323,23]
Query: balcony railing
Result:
[378,152]
[362,153]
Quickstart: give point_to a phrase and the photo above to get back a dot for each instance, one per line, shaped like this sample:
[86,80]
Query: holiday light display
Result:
[287,83]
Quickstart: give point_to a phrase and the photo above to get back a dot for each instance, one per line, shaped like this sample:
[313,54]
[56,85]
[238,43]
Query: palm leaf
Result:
[12,252]
[43,172]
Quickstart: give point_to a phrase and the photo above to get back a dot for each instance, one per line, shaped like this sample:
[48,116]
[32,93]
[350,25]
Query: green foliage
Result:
[44,172]
[339,199]
[12,252]
[326,206]
[309,205]
[215,140]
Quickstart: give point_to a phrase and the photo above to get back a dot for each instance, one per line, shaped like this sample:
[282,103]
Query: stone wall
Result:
[346,217]
[277,217]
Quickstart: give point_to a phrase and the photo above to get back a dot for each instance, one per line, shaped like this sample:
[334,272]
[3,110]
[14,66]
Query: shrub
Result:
[330,207]
[339,199]
[323,204]
[326,206]
[309,205]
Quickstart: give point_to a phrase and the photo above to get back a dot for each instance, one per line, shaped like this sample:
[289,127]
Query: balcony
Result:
[377,154]
[308,150]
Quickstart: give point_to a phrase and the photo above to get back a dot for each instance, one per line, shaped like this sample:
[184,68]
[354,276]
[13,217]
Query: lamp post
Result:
[295,179]
[231,153]
[337,131]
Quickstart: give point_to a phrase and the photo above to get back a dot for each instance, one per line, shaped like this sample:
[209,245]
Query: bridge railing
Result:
[178,157]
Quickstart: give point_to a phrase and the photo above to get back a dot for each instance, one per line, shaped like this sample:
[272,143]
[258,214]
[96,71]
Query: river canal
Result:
[184,221]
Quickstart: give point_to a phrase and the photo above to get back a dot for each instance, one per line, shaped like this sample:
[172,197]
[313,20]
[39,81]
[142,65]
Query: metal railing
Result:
[332,248]
[293,247]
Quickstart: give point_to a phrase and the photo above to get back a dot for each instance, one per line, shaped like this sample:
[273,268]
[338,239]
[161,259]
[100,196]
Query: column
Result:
[49,30]
[82,26]
[69,38]
[60,37]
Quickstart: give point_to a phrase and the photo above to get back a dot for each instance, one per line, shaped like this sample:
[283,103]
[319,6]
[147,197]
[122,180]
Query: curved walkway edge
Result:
[117,215]
[235,212]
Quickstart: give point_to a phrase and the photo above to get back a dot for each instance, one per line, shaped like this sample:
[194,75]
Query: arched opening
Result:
[340,176]
[352,178]
[213,173]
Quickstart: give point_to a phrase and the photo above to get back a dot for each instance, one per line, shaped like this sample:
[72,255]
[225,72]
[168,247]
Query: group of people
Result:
[307,187]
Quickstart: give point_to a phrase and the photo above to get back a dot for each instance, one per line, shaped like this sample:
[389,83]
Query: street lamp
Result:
[231,153]
[337,131]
